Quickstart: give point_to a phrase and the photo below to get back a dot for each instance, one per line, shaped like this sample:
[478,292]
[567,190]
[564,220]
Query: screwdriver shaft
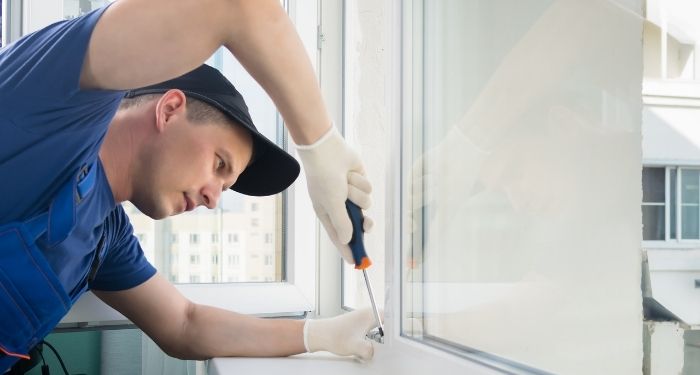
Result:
[374,304]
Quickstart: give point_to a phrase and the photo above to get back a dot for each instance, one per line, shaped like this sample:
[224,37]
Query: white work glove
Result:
[342,335]
[334,173]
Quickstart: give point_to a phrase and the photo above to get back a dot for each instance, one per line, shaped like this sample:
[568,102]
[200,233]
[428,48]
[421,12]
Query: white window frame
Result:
[296,296]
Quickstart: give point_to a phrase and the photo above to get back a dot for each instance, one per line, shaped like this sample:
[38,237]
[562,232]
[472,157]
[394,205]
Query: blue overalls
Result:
[32,300]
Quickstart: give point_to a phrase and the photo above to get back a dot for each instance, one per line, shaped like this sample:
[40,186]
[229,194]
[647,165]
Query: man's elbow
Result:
[182,343]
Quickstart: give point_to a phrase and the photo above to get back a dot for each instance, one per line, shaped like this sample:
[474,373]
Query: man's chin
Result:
[155,213]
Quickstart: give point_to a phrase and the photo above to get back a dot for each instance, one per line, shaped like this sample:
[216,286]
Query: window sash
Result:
[673,210]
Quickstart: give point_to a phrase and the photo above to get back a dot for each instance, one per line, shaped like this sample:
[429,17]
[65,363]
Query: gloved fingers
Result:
[363,321]
[367,224]
[359,181]
[346,253]
[364,349]
[359,197]
[344,250]
[341,222]
[328,226]
[369,322]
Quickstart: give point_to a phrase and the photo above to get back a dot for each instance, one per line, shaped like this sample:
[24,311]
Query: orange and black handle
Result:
[357,245]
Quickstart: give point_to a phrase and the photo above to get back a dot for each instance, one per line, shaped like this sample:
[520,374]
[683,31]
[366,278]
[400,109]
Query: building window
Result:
[232,238]
[194,238]
[215,259]
[689,218]
[173,238]
[653,203]
[254,222]
[214,238]
[233,260]
[194,278]
[268,237]
[254,206]
[194,259]
[269,260]
[670,203]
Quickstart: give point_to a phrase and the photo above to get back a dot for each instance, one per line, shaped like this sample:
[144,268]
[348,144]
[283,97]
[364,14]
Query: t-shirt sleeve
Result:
[40,74]
[125,265]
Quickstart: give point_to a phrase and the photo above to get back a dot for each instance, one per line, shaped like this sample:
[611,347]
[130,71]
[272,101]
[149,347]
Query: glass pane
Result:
[689,222]
[673,175]
[509,209]
[689,186]
[653,223]
[653,185]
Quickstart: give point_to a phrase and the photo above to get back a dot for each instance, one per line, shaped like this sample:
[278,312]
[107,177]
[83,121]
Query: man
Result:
[69,154]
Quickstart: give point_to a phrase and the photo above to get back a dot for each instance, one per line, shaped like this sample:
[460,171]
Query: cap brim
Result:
[272,171]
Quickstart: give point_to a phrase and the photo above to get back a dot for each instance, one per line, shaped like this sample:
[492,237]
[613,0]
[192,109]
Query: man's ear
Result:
[170,106]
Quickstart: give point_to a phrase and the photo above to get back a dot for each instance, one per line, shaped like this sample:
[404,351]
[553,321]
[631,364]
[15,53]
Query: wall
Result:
[80,352]
[367,128]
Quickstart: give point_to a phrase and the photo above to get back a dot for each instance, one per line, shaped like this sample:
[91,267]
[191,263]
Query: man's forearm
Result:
[214,332]
[276,58]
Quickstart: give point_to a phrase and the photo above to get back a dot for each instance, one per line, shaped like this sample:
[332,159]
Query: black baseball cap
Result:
[271,169]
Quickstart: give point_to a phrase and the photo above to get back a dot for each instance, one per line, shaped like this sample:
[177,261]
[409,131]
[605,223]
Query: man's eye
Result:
[221,163]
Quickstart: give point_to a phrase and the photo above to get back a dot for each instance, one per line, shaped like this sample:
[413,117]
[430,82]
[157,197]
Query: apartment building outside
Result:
[237,242]
[671,186]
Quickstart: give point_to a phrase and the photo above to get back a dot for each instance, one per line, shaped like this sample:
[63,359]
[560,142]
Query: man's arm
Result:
[140,42]
[187,330]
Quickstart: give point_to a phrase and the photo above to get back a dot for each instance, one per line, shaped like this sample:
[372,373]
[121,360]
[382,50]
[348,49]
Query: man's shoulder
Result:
[47,62]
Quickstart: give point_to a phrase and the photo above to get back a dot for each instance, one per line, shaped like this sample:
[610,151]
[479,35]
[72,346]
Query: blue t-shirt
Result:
[49,128]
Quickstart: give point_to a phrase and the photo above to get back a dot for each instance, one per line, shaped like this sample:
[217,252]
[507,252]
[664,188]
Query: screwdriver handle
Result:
[357,245]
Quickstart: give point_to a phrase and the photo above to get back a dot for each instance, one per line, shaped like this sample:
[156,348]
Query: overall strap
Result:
[60,218]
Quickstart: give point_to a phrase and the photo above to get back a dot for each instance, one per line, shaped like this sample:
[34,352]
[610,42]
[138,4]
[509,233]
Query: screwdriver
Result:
[360,257]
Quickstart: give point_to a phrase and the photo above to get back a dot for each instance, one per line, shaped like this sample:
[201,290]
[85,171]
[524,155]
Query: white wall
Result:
[665,348]
[671,135]
[367,128]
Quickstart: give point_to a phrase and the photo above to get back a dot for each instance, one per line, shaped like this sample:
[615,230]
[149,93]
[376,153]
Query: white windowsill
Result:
[400,357]
[671,245]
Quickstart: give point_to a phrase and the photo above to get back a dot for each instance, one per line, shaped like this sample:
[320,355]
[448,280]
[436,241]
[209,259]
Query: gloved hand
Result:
[342,335]
[334,173]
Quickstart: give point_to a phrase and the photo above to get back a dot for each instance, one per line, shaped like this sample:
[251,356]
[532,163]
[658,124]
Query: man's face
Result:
[189,165]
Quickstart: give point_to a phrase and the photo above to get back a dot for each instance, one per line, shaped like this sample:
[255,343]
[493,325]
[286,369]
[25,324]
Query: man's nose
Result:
[211,194]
